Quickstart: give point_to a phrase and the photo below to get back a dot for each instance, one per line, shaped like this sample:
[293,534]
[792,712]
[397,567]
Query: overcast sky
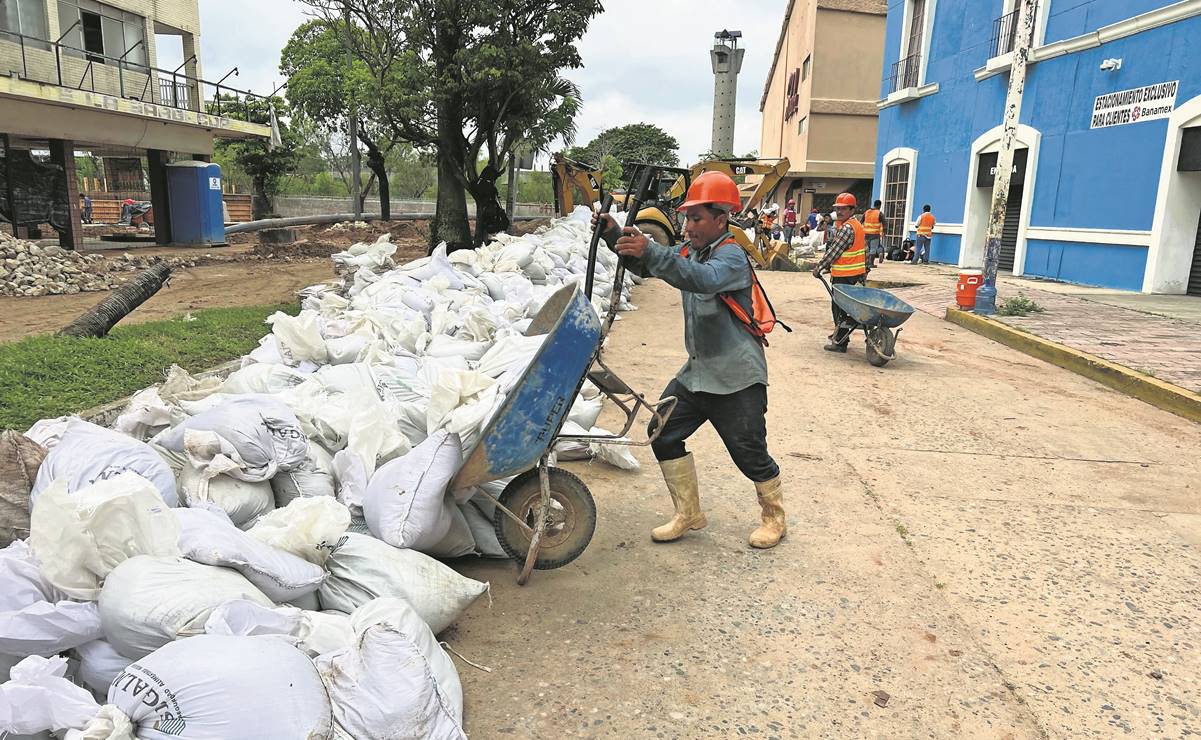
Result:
[644,60]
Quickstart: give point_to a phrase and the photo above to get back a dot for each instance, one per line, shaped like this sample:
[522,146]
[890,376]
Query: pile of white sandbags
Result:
[257,555]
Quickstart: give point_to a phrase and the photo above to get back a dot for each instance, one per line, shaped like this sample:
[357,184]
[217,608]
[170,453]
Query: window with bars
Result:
[896,190]
[917,27]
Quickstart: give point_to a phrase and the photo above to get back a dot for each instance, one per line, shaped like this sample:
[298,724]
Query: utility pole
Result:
[986,297]
[356,182]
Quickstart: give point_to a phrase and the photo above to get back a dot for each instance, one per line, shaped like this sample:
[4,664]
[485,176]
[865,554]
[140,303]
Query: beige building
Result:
[819,102]
[82,76]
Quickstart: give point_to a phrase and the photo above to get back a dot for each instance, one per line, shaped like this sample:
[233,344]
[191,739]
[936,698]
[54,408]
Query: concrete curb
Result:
[1119,377]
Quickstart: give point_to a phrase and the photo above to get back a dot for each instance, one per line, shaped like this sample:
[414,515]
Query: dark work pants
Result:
[842,334]
[740,421]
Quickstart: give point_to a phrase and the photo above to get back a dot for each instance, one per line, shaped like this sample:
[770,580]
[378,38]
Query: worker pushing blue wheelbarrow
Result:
[877,312]
[545,516]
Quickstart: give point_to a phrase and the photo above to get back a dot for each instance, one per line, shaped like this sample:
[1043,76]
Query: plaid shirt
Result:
[836,245]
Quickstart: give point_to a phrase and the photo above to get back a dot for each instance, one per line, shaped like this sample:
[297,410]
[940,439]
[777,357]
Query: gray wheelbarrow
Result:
[877,312]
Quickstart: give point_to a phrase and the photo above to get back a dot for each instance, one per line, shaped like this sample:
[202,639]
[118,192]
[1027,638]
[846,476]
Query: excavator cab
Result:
[657,218]
[574,183]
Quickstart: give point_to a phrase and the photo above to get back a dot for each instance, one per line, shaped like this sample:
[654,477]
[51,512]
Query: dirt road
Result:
[1003,548]
[209,286]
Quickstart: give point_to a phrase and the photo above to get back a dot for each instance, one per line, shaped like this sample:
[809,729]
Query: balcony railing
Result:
[905,73]
[1004,31]
[174,94]
[53,63]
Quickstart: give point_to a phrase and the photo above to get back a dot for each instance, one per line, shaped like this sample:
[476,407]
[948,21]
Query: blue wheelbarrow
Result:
[545,516]
[877,312]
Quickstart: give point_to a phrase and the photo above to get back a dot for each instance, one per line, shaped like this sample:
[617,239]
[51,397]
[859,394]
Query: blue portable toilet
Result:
[194,192]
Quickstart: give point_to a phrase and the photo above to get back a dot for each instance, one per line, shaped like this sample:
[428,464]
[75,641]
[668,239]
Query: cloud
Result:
[643,60]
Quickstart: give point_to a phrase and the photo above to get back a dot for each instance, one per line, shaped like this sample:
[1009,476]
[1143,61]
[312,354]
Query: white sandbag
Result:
[584,412]
[258,433]
[366,568]
[216,686]
[263,378]
[314,477]
[347,349]
[444,346]
[452,389]
[46,628]
[309,528]
[477,512]
[149,601]
[99,664]
[514,352]
[146,415]
[617,455]
[79,538]
[566,450]
[403,504]
[458,541]
[180,385]
[311,631]
[351,476]
[21,579]
[87,454]
[212,539]
[395,682]
[20,459]
[245,502]
[39,697]
[48,432]
[299,337]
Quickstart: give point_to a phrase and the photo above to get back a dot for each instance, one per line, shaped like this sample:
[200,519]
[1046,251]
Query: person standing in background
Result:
[873,230]
[789,220]
[925,232]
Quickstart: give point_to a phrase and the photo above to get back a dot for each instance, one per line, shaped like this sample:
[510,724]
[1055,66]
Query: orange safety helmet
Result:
[712,188]
[845,199]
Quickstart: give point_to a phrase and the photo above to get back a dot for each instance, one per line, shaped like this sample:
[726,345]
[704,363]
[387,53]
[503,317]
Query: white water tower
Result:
[727,63]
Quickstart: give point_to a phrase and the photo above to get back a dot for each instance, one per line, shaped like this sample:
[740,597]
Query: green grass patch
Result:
[1018,305]
[46,376]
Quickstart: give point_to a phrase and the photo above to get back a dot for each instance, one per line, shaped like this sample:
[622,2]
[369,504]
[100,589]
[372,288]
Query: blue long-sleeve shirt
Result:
[723,357]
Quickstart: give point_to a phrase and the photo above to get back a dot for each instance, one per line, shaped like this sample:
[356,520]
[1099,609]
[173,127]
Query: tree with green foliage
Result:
[635,142]
[470,79]
[327,90]
[264,163]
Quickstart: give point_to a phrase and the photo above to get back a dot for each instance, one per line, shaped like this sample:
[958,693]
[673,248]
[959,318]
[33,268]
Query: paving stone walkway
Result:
[1166,348]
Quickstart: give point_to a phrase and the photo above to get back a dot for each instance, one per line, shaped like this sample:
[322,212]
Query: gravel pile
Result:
[27,269]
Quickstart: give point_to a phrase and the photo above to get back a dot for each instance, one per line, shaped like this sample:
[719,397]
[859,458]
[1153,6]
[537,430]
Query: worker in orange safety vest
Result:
[925,232]
[846,260]
[873,229]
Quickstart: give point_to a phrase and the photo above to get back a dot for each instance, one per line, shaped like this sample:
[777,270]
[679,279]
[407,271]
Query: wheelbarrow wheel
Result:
[881,344]
[570,525]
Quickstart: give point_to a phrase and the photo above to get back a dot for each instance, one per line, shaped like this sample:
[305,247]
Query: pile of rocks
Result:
[27,269]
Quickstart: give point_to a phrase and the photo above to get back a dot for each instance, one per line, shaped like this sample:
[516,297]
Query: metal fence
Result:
[55,63]
[905,73]
[1004,32]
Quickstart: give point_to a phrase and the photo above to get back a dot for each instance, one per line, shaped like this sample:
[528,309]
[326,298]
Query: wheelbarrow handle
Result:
[825,285]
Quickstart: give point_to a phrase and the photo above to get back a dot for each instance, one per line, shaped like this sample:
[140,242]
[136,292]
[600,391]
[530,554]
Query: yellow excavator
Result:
[577,183]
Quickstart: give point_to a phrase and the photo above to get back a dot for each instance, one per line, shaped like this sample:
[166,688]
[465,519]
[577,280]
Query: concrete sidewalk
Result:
[1159,336]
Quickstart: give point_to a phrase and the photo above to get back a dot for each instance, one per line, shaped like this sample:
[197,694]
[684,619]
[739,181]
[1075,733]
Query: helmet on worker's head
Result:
[791,202]
[713,189]
[845,199]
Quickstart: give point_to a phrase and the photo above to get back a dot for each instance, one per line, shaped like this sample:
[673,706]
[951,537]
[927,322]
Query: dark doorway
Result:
[1194,277]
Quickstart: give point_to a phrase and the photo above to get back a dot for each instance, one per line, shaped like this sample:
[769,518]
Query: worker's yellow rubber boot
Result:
[771,501]
[680,476]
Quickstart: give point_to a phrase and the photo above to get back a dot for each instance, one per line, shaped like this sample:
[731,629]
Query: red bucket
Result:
[965,292]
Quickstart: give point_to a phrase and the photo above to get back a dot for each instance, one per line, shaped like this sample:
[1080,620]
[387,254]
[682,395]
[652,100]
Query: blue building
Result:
[1107,182]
